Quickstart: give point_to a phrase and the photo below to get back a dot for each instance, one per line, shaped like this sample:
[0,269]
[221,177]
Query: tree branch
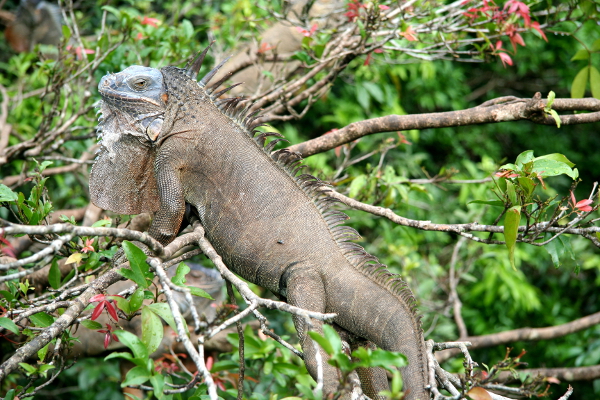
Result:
[564,374]
[515,110]
[550,332]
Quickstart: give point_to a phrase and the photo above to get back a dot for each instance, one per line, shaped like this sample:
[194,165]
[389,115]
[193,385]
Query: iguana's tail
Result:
[382,310]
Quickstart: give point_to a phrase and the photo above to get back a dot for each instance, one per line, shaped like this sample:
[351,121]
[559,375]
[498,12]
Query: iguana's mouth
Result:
[116,97]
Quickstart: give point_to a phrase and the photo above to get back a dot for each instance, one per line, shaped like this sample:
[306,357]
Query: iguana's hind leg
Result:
[305,290]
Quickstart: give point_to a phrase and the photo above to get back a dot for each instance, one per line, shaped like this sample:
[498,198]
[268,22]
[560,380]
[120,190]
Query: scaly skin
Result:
[269,225]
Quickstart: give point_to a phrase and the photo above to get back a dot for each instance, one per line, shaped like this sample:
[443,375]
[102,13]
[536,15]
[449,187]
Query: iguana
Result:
[169,141]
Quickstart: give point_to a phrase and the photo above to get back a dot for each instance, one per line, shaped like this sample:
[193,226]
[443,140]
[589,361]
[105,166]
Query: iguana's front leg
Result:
[169,217]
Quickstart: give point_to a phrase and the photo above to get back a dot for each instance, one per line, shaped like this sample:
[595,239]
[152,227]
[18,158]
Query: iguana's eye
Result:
[139,83]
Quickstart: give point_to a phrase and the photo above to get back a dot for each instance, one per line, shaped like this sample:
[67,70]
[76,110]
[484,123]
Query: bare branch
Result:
[516,110]
[536,334]
[564,374]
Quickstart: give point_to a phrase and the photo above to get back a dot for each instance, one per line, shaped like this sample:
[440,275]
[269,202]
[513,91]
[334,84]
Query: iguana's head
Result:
[137,98]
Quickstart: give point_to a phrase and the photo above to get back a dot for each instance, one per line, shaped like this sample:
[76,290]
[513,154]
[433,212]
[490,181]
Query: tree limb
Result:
[564,374]
[550,332]
[515,110]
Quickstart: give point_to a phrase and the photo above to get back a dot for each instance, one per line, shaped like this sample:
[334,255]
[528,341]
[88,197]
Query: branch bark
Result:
[493,111]
[533,334]
[564,374]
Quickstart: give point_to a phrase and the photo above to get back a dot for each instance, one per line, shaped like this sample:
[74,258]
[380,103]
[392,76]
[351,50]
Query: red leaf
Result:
[505,58]
[536,25]
[106,340]
[150,21]
[584,205]
[98,297]
[97,310]
[111,310]
[9,250]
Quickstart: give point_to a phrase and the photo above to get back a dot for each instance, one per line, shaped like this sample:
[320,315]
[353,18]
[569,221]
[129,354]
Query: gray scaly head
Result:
[132,112]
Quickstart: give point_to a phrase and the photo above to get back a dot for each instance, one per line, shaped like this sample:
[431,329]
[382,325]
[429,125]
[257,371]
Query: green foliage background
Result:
[495,298]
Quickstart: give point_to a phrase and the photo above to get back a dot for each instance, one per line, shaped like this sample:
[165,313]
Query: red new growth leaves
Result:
[354,7]
[306,33]
[508,21]
[109,335]
[104,302]
[88,246]
[80,52]
[150,21]
[9,250]
[581,205]
[264,47]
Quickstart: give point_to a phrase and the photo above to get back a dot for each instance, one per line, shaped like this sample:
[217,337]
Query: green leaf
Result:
[152,330]
[126,356]
[41,167]
[547,167]
[102,223]
[94,325]
[523,158]
[136,300]
[566,242]
[8,324]
[66,31]
[580,82]
[363,97]
[158,383]
[357,185]
[123,304]
[45,368]
[136,376]
[164,311]
[556,117]
[511,230]
[582,54]
[10,395]
[54,275]
[556,157]
[512,194]
[188,28]
[375,91]
[42,319]
[199,292]
[42,352]
[179,280]
[551,97]
[555,249]
[133,343]
[528,186]
[321,341]
[137,261]
[332,336]
[6,194]
[29,369]
[180,273]
[595,82]
[595,45]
